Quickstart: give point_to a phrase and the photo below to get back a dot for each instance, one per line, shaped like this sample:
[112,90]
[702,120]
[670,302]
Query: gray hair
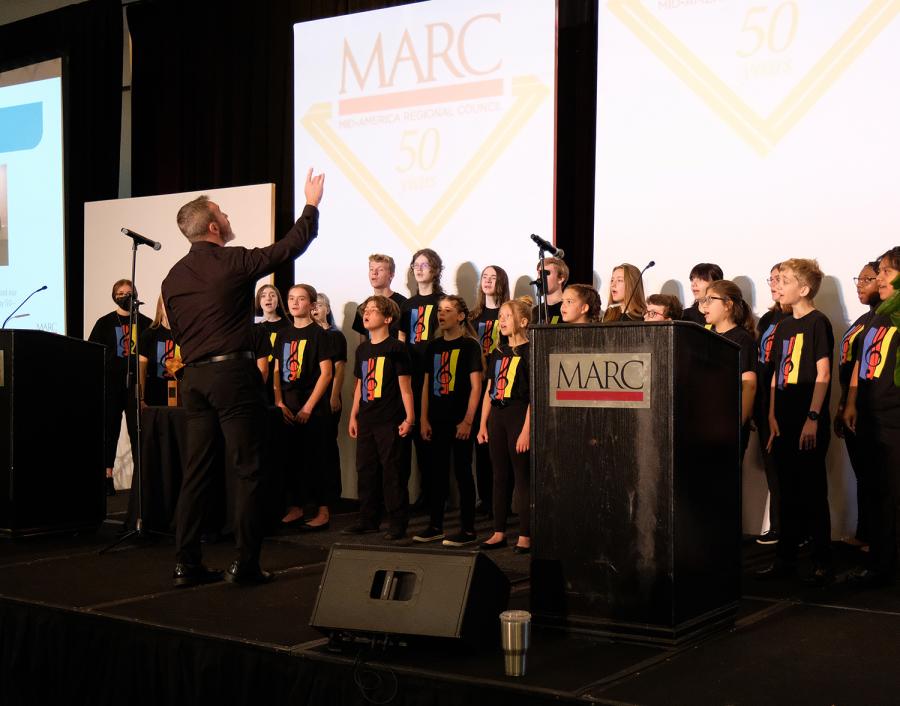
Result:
[194,218]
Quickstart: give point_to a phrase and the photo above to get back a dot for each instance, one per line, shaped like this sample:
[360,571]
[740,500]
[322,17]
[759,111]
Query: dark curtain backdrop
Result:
[212,103]
[88,37]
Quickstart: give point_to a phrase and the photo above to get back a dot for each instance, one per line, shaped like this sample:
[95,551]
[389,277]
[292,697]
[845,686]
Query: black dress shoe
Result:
[316,528]
[193,575]
[489,546]
[247,575]
[775,571]
[521,550]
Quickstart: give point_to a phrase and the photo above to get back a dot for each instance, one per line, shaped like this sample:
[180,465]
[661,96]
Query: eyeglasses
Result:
[773,280]
[650,314]
[706,301]
[863,281]
[421,266]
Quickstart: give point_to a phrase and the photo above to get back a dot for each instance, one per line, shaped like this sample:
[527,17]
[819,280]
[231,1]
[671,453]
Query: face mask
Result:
[123,302]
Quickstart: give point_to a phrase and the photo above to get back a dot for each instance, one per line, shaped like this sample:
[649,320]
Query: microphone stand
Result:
[541,286]
[132,377]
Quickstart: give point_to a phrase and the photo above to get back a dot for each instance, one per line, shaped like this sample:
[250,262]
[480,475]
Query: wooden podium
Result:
[51,433]
[636,483]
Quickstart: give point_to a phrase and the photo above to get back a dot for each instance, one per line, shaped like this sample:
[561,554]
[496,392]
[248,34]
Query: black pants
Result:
[381,451]
[803,480]
[423,448]
[444,444]
[118,399]
[864,476]
[762,427]
[484,471]
[881,447]
[504,426]
[308,479]
[223,400]
[331,458]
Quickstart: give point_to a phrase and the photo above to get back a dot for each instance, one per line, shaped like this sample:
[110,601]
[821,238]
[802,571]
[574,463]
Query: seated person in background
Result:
[581,305]
[557,276]
[663,307]
[701,276]
[625,290]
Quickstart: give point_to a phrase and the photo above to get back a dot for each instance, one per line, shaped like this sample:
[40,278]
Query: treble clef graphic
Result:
[371,380]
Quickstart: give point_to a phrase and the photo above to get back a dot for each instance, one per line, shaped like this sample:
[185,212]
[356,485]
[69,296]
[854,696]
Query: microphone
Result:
[6,320]
[141,240]
[548,246]
[640,283]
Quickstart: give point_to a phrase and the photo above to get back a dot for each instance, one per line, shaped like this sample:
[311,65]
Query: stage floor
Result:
[89,628]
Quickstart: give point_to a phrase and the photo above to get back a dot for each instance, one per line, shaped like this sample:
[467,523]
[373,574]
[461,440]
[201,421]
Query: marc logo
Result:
[600,380]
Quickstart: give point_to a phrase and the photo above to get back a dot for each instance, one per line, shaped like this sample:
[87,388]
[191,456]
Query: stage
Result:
[77,627]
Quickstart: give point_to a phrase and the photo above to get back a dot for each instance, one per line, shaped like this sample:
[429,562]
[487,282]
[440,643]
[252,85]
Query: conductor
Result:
[208,295]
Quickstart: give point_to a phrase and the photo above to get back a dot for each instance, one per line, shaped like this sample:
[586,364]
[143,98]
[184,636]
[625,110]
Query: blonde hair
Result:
[521,309]
[385,305]
[807,272]
[634,295]
[561,267]
[384,260]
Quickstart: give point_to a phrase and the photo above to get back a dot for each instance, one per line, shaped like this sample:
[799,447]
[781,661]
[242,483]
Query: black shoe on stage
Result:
[770,537]
[190,575]
[489,546]
[429,534]
[359,528]
[776,571]
[246,574]
[324,527]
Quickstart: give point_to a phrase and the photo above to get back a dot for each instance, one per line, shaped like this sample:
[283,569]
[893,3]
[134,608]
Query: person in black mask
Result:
[114,331]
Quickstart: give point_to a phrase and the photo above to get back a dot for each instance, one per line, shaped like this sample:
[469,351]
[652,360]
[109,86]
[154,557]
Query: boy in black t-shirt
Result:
[799,420]
[381,275]
[302,376]
[557,276]
[381,420]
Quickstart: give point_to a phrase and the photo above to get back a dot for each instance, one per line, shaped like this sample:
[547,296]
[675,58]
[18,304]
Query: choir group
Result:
[451,382]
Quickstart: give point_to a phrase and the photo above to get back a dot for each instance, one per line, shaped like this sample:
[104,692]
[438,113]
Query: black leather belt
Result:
[240,355]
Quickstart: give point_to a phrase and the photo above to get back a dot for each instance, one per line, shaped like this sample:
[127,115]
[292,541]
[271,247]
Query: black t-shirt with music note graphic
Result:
[448,367]
[878,398]
[112,330]
[798,344]
[508,375]
[300,352]
[378,367]
[157,346]
[849,349]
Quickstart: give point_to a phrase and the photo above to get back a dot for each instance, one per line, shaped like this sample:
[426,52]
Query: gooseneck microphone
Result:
[548,246]
[640,283]
[140,239]
[6,320]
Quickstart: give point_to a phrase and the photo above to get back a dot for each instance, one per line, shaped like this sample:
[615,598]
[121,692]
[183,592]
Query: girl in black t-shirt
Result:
[160,358]
[625,289]
[873,414]
[506,422]
[492,293]
[849,351]
[581,305]
[303,371]
[725,310]
[271,319]
[701,276]
[450,396]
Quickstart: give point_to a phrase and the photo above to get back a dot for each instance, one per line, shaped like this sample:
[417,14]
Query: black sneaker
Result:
[429,535]
[462,539]
[359,528]
[770,537]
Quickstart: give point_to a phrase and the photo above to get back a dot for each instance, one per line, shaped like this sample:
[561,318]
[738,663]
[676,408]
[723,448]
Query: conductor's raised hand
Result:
[313,188]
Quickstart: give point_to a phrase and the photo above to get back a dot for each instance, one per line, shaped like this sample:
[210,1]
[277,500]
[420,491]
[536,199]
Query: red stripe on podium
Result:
[599,396]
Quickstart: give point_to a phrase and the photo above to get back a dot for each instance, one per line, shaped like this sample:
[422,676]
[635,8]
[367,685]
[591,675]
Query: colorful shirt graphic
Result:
[792,352]
[420,323]
[444,373]
[372,378]
[505,370]
[292,359]
[166,350]
[123,349]
[765,343]
[874,352]
[489,335]
[847,343]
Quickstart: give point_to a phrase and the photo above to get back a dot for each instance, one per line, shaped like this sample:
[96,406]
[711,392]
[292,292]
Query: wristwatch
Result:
[813,415]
